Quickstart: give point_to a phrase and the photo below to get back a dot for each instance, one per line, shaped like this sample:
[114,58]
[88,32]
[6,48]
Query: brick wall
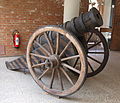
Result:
[25,16]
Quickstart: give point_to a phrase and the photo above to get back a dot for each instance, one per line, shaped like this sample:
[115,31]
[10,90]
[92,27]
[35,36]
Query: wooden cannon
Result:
[60,58]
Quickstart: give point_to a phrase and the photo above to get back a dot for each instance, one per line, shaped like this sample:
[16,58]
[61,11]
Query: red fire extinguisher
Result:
[16,38]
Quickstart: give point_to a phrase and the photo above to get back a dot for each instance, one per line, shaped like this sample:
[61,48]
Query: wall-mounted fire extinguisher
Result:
[16,38]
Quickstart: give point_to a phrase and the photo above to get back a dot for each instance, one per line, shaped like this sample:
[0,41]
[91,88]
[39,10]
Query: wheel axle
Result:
[53,61]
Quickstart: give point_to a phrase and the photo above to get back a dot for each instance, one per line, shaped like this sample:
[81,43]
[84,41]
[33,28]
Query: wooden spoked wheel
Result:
[97,52]
[56,77]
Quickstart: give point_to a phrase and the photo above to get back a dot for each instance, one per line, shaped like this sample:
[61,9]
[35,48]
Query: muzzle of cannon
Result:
[85,22]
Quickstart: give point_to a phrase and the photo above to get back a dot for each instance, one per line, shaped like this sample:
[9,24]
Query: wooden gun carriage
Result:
[60,58]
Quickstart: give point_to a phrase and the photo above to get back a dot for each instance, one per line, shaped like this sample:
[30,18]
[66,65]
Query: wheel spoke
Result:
[52,77]
[50,43]
[34,60]
[94,59]
[38,55]
[70,67]
[89,37]
[90,67]
[67,76]
[57,43]
[71,57]
[38,65]
[44,50]
[96,52]
[60,79]
[43,73]
[75,63]
[94,45]
[65,49]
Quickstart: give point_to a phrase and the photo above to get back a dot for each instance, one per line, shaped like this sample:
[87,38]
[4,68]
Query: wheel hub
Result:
[53,61]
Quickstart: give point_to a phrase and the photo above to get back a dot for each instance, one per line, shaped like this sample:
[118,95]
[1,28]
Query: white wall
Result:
[71,9]
[107,11]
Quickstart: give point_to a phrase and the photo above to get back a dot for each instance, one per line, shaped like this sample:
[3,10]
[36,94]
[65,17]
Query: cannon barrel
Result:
[85,22]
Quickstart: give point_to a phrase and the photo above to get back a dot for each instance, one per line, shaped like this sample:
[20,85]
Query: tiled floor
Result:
[16,87]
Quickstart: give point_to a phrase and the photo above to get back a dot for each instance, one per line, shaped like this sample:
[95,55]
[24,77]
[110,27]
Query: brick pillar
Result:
[84,4]
[115,43]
